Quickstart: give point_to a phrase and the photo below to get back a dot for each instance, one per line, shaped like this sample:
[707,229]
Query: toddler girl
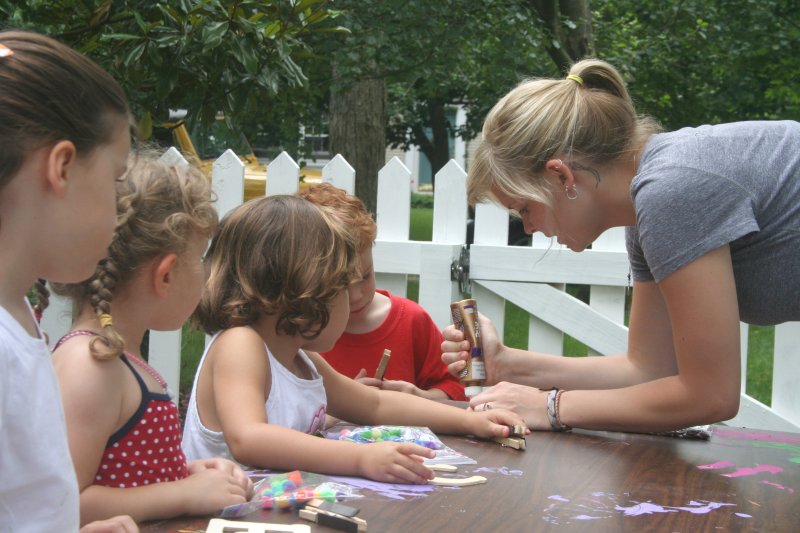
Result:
[276,294]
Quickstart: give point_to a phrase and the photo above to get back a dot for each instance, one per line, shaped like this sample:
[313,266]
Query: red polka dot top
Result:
[147,449]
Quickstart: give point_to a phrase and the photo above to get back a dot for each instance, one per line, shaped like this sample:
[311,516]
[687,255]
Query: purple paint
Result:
[502,470]
[714,466]
[743,515]
[587,517]
[563,510]
[741,472]
[643,508]
[395,491]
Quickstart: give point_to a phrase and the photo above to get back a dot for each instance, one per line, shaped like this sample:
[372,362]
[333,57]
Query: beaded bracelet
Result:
[553,398]
[561,424]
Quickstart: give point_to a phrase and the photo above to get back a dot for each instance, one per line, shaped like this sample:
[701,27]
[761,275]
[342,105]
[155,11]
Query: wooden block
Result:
[518,443]
[333,520]
[457,482]
[387,353]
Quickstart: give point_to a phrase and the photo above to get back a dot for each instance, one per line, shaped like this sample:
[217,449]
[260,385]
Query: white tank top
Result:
[293,402]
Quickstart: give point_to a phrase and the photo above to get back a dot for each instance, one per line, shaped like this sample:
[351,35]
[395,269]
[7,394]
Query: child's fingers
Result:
[407,448]
[361,373]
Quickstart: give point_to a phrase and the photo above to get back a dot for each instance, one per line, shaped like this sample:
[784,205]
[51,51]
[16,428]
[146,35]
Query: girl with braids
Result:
[64,140]
[277,287]
[713,237]
[128,454]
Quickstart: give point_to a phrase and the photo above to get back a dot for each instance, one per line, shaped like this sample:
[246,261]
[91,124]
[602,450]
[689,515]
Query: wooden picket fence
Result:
[532,277]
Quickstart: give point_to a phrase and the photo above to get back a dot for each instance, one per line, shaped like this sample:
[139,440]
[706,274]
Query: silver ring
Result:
[486,406]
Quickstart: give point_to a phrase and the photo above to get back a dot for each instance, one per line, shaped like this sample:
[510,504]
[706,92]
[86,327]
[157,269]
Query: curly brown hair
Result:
[348,209]
[277,255]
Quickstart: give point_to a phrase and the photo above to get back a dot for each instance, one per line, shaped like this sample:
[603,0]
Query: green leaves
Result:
[201,55]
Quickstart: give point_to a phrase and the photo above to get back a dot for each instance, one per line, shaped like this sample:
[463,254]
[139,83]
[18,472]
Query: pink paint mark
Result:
[557,497]
[714,466]
[740,472]
[395,491]
[734,434]
[502,470]
[743,515]
[778,485]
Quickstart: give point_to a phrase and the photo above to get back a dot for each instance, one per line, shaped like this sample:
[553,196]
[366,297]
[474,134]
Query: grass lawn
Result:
[761,341]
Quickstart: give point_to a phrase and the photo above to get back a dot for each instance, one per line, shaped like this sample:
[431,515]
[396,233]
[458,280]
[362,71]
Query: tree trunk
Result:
[566,46]
[436,148]
[358,132]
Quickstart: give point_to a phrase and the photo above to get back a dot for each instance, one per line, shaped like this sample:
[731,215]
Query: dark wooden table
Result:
[739,480]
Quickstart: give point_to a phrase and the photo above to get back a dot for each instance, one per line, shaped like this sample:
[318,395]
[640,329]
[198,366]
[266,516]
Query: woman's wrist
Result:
[552,408]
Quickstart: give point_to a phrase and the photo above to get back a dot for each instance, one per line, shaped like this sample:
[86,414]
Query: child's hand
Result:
[225,465]
[394,462]
[117,524]
[208,490]
[494,422]
[364,379]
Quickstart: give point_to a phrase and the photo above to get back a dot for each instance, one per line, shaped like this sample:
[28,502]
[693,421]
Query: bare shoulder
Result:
[84,378]
[239,347]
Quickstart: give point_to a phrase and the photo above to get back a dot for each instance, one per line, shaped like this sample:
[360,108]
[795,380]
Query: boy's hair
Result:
[160,208]
[279,256]
[348,209]
[48,93]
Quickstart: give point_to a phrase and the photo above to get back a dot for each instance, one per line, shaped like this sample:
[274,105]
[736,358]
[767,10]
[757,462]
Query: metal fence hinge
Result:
[459,270]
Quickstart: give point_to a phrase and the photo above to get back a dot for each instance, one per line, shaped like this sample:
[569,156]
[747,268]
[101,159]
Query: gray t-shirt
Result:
[739,184]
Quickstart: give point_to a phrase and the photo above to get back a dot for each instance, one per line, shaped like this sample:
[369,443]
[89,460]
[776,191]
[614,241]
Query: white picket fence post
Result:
[532,277]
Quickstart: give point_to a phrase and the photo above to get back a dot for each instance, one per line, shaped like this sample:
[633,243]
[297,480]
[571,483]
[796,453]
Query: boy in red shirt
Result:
[380,320]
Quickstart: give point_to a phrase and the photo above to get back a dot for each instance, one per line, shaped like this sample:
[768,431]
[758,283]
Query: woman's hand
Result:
[394,462]
[455,350]
[226,466]
[527,402]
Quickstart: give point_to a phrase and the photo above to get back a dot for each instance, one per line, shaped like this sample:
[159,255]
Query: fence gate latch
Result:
[459,270]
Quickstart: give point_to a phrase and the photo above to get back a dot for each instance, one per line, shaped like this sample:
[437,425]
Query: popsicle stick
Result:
[457,481]
[387,353]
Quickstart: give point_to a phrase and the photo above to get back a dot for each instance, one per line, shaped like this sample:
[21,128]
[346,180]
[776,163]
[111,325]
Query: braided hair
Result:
[159,208]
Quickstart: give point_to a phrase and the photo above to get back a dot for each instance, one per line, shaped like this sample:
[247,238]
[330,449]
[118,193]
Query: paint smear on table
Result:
[714,466]
[602,505]
[790,490]
[790,443]
[752,471]
[394,491]
[501,470]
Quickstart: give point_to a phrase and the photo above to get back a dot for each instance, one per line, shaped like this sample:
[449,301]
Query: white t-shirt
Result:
[293,402]
[38,487]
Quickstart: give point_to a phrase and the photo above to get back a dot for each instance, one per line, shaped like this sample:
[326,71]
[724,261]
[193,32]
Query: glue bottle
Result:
[465,318]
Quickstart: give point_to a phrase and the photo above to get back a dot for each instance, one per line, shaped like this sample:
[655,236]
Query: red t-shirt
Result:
[416,345]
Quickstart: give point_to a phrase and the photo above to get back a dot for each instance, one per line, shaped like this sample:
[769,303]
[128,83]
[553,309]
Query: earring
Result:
[574,190]
[558,167]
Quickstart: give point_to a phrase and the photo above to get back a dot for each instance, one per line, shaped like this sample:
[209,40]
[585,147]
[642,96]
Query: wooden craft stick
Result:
[457,481]
[443,468]
[387,353]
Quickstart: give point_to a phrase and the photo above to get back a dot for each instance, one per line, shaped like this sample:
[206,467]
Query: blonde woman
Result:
[713,236]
